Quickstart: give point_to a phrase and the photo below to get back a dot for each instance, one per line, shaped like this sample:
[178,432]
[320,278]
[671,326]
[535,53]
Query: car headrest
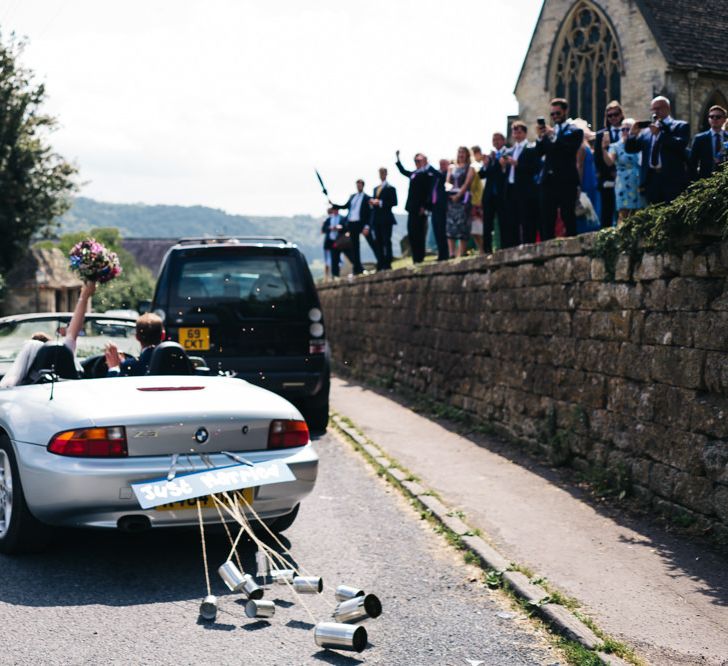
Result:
[56,358]
[169,358]
[268,287]
[193,287]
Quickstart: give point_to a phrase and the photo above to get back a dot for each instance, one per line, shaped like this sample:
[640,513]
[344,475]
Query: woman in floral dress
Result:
[628,186]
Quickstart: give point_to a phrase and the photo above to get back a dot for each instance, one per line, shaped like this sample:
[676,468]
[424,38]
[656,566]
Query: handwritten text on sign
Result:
[211,481]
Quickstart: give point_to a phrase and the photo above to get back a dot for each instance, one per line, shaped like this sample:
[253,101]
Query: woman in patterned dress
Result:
[457,228]
[628,186]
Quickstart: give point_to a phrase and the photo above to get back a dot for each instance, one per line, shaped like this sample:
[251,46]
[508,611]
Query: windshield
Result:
[91,341]
[258,286]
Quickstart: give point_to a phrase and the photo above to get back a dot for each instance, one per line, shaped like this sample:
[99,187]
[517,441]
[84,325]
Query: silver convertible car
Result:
[82,452]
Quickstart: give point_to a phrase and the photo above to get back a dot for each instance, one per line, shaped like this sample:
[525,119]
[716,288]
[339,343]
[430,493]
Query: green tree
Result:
[35,182]
[124,292]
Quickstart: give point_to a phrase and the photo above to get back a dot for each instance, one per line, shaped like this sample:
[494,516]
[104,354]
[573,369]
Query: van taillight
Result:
[287,434]
[317,346]
[91,443]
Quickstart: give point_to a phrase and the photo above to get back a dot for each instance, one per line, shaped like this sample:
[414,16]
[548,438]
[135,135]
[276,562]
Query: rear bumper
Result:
[295,377]
[74,492]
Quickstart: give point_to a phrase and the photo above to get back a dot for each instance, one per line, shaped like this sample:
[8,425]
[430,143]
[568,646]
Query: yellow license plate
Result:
[205,502]
[195,339]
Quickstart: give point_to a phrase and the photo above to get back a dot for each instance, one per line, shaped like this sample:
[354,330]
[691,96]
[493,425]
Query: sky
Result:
[234,103]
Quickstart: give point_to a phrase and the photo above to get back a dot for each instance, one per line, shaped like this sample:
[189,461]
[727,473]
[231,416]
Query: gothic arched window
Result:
[586,63]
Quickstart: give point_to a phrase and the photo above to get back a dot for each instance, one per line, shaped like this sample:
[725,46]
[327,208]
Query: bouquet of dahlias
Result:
[94,262]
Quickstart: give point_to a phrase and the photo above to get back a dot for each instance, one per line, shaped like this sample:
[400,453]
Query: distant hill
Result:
[144,221]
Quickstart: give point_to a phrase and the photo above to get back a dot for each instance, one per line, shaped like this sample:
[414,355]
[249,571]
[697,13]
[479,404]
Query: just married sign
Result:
[201,484]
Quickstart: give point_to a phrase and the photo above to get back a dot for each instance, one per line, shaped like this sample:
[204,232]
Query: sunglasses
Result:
[625,129]
[716,117]
[555,114]
[614,115]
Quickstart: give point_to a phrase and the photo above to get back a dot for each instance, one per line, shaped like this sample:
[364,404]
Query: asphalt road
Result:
[108,598]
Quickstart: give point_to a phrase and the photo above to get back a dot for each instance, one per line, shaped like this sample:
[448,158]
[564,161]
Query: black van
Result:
[249,305]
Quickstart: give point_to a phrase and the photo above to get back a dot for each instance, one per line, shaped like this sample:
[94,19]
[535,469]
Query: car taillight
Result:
[316,346]
[91,443]
[287,434]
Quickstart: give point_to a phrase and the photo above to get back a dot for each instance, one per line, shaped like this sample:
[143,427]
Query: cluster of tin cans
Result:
[353,606]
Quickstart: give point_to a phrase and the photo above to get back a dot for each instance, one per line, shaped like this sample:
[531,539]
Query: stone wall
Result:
[625,377]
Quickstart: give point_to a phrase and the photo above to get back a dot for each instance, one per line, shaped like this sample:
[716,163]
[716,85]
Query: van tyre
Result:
[20,531]
[316,411]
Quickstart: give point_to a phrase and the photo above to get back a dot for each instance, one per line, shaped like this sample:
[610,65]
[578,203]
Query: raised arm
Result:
[340,206]
[79,314]
[402,170]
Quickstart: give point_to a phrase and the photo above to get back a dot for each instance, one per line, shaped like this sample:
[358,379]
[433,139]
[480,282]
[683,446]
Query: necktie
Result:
[716,143]
[379,191]
[613,133]
[655,154]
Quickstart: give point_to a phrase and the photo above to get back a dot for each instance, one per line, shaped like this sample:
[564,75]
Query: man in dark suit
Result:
[606,174]
[357,222]
[522,166]
[333,227]
[709,148]
[664,147]
[494,201]
[382,220]
[439,212]
[149,333]
[558,144]
[423,181]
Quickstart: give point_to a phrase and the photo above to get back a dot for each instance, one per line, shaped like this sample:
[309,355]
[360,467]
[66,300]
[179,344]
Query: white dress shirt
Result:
[355,207]
[517,150]
[656,137]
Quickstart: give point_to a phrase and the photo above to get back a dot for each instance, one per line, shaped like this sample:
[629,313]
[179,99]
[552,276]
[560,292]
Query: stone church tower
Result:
[593,51]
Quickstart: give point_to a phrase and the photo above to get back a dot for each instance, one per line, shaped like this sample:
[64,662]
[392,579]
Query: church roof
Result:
[691,33]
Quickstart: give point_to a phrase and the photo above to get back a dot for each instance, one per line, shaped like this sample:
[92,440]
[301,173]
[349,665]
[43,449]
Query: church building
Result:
[594,51]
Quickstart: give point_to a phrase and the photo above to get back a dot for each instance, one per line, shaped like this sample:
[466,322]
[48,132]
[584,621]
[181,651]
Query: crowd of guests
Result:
[568,181]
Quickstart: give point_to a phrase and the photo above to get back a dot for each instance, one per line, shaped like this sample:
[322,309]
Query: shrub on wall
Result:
[703,207]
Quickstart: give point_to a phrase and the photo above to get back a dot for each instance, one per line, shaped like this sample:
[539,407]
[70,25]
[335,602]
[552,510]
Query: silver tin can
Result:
[346,592]
[231,576]
[358,608]
[308,584]
[260,608]
[251,588]
[208,607]
[340,636]
[261,563]
[282,576]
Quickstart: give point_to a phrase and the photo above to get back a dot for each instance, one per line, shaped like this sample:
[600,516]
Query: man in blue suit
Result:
[357,222]
[664,147]
[709,148]
[558,144]
[149,333]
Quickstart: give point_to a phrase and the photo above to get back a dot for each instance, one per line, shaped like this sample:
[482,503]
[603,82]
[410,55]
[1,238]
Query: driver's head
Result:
[149,330]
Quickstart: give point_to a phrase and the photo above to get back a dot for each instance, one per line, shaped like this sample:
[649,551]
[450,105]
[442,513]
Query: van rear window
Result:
[267,286]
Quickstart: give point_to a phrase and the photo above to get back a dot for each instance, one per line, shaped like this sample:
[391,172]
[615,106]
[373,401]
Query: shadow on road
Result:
[685,555]
[115,569]
[336,659]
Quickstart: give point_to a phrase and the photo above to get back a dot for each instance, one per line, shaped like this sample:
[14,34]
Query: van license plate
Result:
[205,502]
[195,339]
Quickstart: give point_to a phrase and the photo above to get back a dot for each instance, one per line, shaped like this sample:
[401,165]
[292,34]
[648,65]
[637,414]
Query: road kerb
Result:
[560,618]
[488,556]
[525,589]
